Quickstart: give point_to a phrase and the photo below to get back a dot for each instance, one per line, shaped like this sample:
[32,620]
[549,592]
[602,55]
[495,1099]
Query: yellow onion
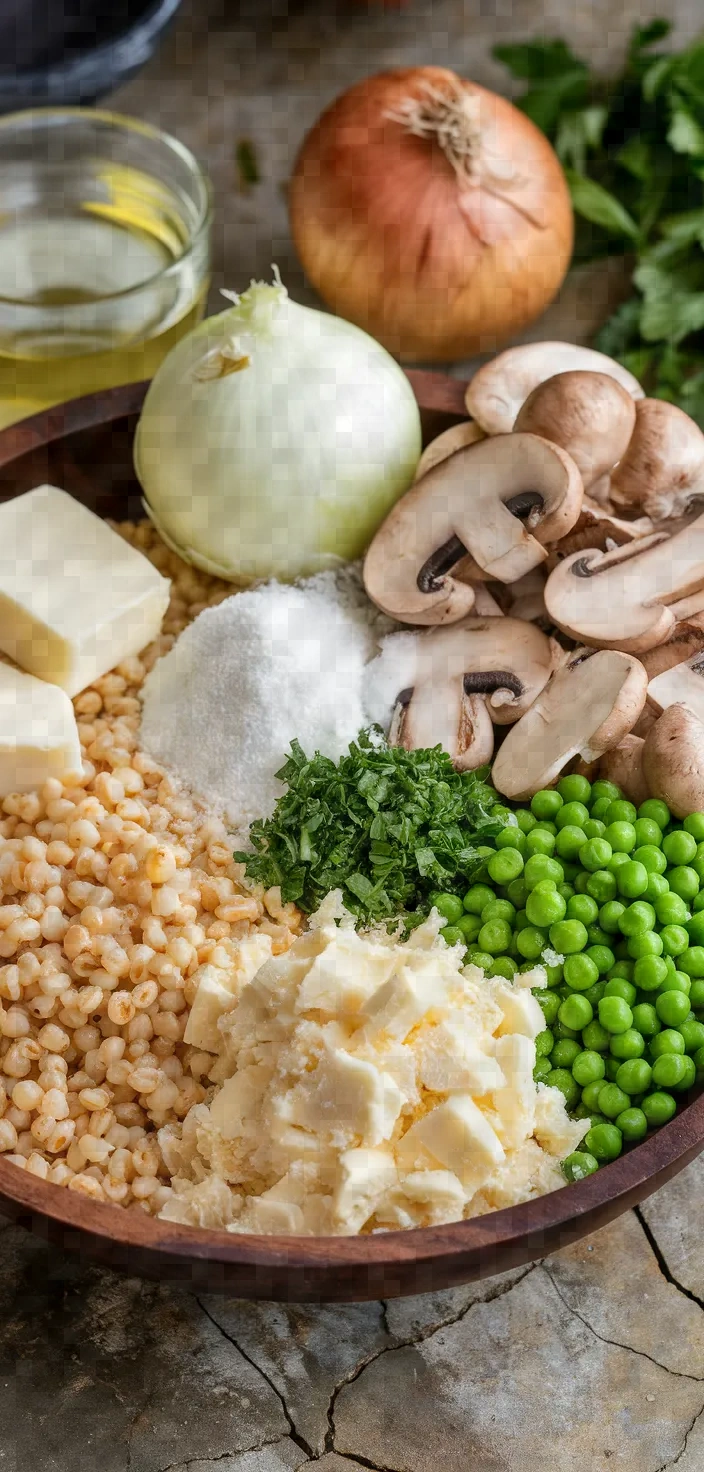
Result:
[432,213]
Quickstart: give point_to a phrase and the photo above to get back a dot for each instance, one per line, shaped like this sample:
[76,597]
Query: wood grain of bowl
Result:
[85,446]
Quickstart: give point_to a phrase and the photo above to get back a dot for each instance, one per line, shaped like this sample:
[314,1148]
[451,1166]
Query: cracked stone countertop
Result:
[591,1361]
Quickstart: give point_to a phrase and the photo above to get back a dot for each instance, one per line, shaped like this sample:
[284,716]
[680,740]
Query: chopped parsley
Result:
[384,825]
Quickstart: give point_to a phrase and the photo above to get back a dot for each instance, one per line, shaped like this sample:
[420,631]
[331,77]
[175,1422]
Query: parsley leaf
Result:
[384,825]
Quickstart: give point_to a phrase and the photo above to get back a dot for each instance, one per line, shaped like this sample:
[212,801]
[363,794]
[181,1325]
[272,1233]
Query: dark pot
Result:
[54,53]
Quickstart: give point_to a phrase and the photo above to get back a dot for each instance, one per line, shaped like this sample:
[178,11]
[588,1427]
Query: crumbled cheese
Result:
[366,1083]
[249,675]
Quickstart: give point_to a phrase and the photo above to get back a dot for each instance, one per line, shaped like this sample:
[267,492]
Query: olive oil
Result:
[94,289]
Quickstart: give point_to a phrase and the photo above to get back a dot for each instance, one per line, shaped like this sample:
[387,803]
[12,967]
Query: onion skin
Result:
[434,269]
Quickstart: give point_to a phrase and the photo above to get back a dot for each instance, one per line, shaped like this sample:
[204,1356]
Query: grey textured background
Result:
[592,1361]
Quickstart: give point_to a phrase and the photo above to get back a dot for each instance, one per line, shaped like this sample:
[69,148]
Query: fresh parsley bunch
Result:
[633,151]
[384,825]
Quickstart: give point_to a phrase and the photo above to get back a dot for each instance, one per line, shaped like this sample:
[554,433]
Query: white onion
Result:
[274,440]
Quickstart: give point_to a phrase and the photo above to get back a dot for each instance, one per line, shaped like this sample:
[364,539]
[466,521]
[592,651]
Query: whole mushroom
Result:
[673,760]
[662,471]
[623,764]
[590,414]
[499,389]
[457,437]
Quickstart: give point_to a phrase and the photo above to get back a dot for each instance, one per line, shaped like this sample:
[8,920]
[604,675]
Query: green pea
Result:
[696,994]
[684,881]
[449,906]
[482,959]
[544,1043]
[615,1014]
[637,917]
[658,1108]
[667,1041]
[568,937]
[610,916]
[602,956]
[531,942]
[655,809]
[672,1008]
[549,1004]
[679,847]
[505,865]
[579,1165]
[612,1100]
[580,972]
[693,1034]
[632,879]
[670,1070]
[576,1012]
[634,1075]
[600,808]
[582,907]
[581,881]
[604,1141]
[561,1078]
[503,966]
[591,1091]
[657,887]
[628,1044]
[542,1070]
[540,843]
[646,943]
[573,814]
[621,836]
[648,833]
[616,861]
[495,937]
[695,929]
[525,820]
[511,837]
[540,867]
[602,788]
[595,1037]
[588,1068]
[517,893]
[564,1052]
[575,788]
[646,1020]
[595,854]
[545,826]
[546,803]
[674,939]
[593,828]
[452,935]
[620,986]
[632,1124]
[692,962]
[699,1063]
[621,811]
[477,898]
[601,885]
[561,1031]
[569,841]
[694,824]
[676,981]
[545,906]
[649,973]
[671,910]
[470,926]
[612,1066]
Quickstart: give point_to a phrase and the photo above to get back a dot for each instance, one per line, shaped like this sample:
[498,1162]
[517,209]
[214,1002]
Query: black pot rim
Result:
[90,74]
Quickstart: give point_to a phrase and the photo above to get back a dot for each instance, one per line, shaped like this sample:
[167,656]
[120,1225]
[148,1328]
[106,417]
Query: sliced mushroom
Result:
[472,503]
[589,414]
[447,686]
[527,596]
[485,604]
[673,760]
[663,469]
[590,704]
[597,527]
[623,764]
[500,388]
[686,642]
[447,444]
[682,684]
[631,598]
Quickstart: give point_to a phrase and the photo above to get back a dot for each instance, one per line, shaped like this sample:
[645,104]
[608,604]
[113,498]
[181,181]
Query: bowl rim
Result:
[520,1232]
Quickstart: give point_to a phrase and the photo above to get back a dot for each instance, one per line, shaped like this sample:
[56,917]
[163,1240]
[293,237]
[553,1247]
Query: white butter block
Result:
[38,732]
[75,598]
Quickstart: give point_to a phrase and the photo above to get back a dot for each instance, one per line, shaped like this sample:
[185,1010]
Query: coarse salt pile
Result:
[264,666]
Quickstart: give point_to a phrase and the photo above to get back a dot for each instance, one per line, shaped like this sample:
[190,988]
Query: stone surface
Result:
[593,1362]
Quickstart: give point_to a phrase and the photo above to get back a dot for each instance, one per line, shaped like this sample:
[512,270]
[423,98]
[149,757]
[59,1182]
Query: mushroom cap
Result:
[619,599]
[673,760]
[682,684]
[686,642]
[623,764]
[590,704]
[462,506]
[448,443]
[662,470]
[500,388]
[590,414]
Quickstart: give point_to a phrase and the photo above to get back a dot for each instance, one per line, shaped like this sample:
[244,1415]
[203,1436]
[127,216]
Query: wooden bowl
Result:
[85,446]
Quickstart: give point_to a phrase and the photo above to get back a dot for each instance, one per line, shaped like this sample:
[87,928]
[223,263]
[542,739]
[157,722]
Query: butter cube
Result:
[75,598]
[38,732]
